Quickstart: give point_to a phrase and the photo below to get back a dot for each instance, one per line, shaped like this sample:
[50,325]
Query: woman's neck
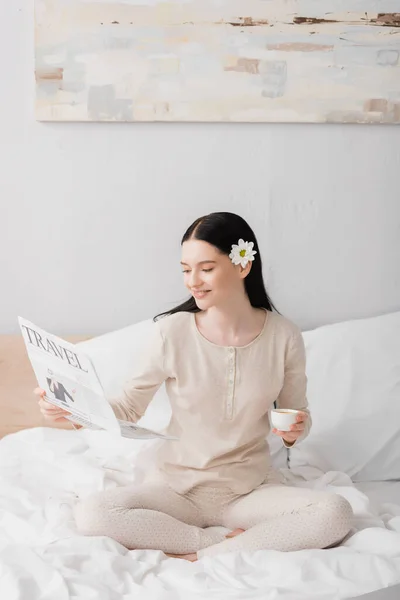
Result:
[233,325]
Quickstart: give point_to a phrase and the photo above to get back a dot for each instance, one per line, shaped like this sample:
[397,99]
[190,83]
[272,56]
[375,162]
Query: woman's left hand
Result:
[296,429]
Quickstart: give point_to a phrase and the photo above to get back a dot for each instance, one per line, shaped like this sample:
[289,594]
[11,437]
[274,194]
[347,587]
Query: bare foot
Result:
[234,533]
[193,557]
[190,557]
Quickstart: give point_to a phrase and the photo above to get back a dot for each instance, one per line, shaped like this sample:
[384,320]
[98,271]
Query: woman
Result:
[59,391]
[225,357]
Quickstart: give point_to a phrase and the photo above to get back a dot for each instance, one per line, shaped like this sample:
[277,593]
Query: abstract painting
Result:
[314,61]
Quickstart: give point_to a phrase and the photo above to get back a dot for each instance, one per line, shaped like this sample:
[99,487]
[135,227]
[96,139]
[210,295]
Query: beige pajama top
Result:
[220,399]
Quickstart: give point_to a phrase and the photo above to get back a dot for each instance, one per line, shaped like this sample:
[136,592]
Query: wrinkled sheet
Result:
[43,473]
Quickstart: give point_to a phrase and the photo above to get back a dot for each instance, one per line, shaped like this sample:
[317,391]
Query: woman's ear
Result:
[244,271]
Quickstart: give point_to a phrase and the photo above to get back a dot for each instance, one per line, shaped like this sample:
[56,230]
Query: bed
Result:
[44,471]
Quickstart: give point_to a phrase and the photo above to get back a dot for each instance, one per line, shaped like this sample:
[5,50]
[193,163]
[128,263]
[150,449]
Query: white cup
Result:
[283,418]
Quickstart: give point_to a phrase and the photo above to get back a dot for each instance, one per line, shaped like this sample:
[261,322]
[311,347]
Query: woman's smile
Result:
[200,294]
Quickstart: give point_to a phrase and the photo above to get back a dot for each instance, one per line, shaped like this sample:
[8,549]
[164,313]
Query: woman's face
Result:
[210,276]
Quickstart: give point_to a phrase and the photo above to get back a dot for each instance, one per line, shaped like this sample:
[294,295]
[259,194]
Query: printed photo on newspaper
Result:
[70,381]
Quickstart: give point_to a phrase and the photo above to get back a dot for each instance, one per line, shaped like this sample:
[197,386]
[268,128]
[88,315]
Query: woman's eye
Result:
[204,270]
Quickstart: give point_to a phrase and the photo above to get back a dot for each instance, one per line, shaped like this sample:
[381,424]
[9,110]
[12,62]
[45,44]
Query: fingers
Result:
[52,411]
[290,436]
[46,407]
[39,392]
[280,433]
[299,427]
[49,410]
[301,417]
[293,429]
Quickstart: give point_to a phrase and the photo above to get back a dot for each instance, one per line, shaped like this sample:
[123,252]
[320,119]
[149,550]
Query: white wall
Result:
[92,214]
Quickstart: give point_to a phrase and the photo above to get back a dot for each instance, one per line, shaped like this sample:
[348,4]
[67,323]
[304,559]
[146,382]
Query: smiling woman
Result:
[226,356]
[211,251]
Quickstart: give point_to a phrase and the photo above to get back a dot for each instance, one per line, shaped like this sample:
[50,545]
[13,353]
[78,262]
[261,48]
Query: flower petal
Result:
[242,253]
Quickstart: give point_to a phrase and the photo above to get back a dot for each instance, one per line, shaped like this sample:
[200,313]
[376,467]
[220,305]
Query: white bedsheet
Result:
[43,471]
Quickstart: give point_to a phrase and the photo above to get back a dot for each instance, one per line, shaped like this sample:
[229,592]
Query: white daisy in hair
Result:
[242,253]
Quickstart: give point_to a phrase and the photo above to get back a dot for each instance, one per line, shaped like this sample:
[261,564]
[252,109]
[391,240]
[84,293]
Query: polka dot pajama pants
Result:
[274,517]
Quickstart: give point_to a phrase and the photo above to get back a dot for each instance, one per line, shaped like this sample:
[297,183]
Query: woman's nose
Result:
[194,280]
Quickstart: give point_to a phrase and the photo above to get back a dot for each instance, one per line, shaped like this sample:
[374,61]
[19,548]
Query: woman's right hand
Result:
[51,413]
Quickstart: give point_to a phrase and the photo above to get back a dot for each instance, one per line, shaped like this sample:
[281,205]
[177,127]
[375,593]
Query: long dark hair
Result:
[222,229]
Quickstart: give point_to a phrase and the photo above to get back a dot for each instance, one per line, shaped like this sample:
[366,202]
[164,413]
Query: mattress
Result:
[44,472]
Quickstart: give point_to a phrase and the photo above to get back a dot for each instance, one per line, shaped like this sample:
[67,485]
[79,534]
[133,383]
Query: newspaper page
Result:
[70,381]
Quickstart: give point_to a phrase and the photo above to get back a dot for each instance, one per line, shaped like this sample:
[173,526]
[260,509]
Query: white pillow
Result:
[353,371]
[113,355]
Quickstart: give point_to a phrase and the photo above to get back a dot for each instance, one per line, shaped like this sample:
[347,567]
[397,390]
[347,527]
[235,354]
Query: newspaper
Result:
[70,381]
